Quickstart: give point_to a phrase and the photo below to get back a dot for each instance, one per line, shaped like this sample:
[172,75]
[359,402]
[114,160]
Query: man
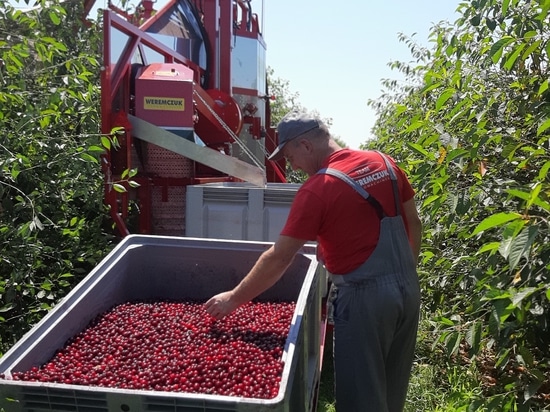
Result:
[360,208]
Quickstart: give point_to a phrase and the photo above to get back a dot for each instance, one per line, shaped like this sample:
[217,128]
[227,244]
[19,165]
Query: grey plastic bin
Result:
[239,211]
[158,267]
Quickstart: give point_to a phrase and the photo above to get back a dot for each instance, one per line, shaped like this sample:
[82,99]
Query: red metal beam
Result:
[226,37]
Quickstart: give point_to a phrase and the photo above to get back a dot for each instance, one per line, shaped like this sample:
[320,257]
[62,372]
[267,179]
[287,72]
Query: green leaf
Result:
[527,196]
[544,170]
[7,308]
[457,153]
[532,389]
[54,42]
[530,34]
[543,87]
[542,128]
[55,18]
[415,125]
[534,195]
[513,56]
[498,47]
[521,244]
[524,356]
[14,59]
[503,309]
[489,247]
[88,158]
[453,343]
[46,285]
[530,49]
[44,122]
[445,321]
[418,148]
[473,337]
[429,87]
[505,247]
[117,130]
[518,193]
[119,188]
[430,200]
[495,220]
[443,97]
[106,142]
[503,357]
[496,294]
[522,294]
[400,108]
[474,21]
[505,4]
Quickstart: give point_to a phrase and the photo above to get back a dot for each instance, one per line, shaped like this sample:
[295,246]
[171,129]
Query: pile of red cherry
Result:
[176,346]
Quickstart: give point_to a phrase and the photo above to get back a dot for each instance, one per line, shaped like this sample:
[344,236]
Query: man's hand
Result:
[267,270]
[221,305]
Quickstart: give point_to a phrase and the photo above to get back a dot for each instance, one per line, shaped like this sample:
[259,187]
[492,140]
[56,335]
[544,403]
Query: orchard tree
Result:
[471,127]
[51,196]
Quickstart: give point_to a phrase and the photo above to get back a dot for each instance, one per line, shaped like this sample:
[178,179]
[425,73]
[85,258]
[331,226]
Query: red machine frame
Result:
[221,20]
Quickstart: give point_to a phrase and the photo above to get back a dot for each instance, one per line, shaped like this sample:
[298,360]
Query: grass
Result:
[325,401]
[432,389]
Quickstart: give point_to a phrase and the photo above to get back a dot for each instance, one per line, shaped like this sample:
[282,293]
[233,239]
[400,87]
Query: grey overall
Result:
[376,313]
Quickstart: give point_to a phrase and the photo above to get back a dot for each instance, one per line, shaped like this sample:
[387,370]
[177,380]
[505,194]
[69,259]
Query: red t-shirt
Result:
[330,211]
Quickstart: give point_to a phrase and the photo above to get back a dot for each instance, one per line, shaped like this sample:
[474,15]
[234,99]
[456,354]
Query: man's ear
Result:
[307,145]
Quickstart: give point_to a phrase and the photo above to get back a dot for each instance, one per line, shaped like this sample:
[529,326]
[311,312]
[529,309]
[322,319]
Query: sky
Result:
[334,54]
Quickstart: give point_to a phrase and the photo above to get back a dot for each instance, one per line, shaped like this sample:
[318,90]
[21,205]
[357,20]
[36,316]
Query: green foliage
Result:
[283,100]
[51,209]
[471,127]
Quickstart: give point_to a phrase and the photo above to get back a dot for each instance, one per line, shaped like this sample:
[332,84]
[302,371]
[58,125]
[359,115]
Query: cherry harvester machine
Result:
[185,89]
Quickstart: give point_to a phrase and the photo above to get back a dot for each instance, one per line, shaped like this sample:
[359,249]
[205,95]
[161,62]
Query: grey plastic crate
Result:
[239,211]
[161,267]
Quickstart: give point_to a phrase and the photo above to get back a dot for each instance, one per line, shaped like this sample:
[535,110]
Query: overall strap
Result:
[357,187]
[393,178]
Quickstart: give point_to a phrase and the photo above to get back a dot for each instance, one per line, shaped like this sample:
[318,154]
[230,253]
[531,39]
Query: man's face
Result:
[298,153]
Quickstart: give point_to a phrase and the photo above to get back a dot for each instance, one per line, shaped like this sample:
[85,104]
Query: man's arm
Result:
[265,273]
[414,226]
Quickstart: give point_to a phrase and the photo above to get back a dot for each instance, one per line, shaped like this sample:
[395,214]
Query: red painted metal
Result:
[164,95]
[223,107]
[248,25]
[156,16]
[225,41]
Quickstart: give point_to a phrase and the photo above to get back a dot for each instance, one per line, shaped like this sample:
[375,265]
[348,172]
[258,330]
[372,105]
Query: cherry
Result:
[176,347]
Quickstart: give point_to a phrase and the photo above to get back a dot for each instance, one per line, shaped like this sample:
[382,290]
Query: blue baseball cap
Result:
[294,124]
